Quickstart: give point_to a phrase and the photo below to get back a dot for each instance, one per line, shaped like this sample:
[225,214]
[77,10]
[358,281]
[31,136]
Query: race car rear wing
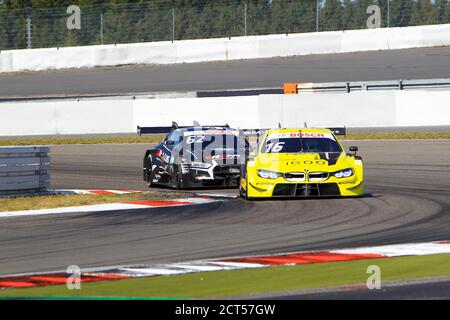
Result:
[339,131]
[150,130]
[253,132]
[156,130]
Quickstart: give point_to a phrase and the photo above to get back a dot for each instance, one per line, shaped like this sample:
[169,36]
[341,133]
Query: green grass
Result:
[249,282]
[398,135]
[157,138]
[59,201]
[81,140]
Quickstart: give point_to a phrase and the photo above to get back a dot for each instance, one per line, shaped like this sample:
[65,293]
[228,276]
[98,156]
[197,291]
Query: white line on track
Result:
[108,207]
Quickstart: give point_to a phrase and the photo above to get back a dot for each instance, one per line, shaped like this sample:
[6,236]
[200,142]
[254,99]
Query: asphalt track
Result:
[433,289]
[408,200]
[423,63]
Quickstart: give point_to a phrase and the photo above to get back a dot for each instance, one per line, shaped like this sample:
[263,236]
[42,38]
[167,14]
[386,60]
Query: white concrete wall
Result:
[65,117]
[236,111]
[427,108]
[356,109]
[224,49]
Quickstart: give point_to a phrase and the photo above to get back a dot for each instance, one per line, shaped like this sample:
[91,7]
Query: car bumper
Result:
[220,177]
[258,189]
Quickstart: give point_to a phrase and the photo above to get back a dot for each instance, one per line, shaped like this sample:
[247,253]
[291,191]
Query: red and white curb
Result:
[290,259]
[199,198]
[133,205]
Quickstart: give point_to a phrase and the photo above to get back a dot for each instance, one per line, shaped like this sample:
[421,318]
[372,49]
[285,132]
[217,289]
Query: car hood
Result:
[290,162]
[217,155]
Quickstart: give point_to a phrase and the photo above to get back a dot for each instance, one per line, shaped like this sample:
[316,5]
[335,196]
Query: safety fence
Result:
[24,170]
[162,20]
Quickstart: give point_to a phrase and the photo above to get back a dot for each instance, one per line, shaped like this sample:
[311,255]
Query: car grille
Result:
[301,176]
[318,176]
[295,176]
[306,190]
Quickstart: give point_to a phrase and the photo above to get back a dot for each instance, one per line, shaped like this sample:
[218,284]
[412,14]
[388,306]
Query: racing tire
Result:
[178,183]
[149,172]
[242,193]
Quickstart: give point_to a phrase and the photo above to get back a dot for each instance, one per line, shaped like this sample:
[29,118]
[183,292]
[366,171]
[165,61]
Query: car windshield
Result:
[217,145]
[203,140]
[300,145]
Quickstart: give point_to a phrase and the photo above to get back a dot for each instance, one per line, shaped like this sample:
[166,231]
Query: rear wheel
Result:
[178,181]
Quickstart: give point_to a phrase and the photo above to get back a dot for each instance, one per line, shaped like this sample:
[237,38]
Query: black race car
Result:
[196,156]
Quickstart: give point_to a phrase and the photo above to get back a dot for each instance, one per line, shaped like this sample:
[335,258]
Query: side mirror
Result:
[353,149]
[169,143]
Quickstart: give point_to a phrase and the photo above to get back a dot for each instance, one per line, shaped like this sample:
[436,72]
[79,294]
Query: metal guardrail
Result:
[289,88]
[24,170]
[294,88]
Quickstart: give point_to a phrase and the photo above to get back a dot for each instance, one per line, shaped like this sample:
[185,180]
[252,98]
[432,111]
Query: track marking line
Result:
[399,250]
[134,205]
[93,191]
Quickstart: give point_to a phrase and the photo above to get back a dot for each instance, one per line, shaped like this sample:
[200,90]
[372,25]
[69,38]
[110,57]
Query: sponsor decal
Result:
[300,135]
[211,132]
[348,182]
[308,162]
[306,135]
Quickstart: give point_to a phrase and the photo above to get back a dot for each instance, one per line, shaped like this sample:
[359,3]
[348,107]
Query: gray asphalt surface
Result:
[423,63]
[408,200]
[438,289]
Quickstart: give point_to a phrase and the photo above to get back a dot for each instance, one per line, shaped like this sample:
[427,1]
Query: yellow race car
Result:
[303,162]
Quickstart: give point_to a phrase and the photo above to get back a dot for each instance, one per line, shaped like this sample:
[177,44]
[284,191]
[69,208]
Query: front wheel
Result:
[243,193]
[150,175]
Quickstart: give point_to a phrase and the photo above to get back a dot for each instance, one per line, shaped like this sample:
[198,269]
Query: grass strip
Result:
[158,138]
[58,201]
[247,282]
[398,135]
[81,140]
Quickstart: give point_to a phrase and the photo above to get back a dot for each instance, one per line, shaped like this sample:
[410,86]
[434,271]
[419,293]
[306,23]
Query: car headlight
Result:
[200,165]
[344,173]
[268,174]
